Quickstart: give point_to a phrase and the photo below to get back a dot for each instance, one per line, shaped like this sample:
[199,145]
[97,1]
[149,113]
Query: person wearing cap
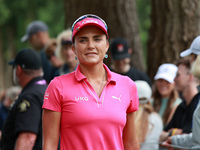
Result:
[38,37]
[185,83]
[148,123]
[120,53]
[190,141]
[64,52]
[23,126]
[92,107]
[165,96]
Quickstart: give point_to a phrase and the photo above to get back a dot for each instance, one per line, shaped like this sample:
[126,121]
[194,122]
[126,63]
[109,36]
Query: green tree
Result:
[14,18]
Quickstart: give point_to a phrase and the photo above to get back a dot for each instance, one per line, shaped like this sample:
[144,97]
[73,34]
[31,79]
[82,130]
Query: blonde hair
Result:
[66,34]
[195,70]
[142,121]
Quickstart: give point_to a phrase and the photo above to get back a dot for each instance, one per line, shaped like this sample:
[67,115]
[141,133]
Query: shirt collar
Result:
[110,75]
[33,81]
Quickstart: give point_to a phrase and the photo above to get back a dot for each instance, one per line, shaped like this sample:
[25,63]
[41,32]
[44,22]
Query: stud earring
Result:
[106,56]
[75,57]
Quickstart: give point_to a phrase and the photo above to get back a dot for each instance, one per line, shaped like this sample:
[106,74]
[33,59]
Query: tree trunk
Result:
[11,55]
[121,17]
[174,26]
[6,70]
[2,84]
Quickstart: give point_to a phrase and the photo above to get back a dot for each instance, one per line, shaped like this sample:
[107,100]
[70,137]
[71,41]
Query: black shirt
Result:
[135,74]
[183,115]
[25,115]
[48,69]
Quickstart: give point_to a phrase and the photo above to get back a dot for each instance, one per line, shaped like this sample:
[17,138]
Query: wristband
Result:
[174,131]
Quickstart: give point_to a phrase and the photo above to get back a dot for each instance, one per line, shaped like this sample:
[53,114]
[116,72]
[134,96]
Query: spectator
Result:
[38,37]
[23,126]
[50,51]
[10,96]
[185,83]
[165,96]
[65,53]
[148,123]
[120,53]
[190,141]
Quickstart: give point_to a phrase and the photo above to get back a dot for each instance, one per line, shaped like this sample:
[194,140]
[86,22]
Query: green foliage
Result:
[4,13]
[53,15]
[144,10]
[16,15]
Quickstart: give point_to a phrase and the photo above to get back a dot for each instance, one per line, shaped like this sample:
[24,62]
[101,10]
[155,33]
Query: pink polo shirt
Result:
[87,121]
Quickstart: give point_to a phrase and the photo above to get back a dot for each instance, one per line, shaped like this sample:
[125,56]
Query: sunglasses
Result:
[65,42]
[88,16]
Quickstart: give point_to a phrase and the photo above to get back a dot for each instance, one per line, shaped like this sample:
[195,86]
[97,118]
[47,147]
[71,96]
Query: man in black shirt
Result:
[23,126]
[185,83]
[120,53]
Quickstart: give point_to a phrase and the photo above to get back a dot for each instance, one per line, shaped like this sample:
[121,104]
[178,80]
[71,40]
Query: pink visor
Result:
[87,22]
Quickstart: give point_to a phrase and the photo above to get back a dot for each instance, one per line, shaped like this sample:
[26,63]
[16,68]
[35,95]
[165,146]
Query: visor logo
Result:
[90,21]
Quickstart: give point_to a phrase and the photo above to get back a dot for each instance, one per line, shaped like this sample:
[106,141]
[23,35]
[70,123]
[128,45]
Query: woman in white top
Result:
[148,123]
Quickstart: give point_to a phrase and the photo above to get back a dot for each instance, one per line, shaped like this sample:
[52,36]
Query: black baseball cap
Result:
[119,49]
[27,58]
[33,28]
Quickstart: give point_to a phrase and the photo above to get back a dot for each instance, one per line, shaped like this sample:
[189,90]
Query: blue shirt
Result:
[3,114]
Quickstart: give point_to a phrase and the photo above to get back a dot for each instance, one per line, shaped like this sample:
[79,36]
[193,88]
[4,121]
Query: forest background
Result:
[156,30]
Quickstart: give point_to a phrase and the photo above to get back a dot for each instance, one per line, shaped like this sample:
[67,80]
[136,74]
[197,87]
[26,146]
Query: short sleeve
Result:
[53,96]
[134,100]
[28,115]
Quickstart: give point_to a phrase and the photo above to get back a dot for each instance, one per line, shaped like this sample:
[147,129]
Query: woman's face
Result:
[164,87]
[67,53]
[90,45]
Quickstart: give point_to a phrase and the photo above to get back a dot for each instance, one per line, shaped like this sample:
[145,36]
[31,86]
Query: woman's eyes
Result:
[97,39]
[82,40]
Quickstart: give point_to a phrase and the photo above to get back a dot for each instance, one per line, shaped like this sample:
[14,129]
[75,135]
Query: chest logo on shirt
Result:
[79,98]
[23,106]
[117,97]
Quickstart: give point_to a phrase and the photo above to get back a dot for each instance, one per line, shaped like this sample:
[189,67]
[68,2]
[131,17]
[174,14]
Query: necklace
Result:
[99,92]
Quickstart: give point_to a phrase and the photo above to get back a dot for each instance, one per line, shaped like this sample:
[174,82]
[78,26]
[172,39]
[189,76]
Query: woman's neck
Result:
[93,72]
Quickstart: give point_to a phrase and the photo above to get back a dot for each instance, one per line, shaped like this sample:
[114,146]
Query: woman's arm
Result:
[129,134]
[51,129]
